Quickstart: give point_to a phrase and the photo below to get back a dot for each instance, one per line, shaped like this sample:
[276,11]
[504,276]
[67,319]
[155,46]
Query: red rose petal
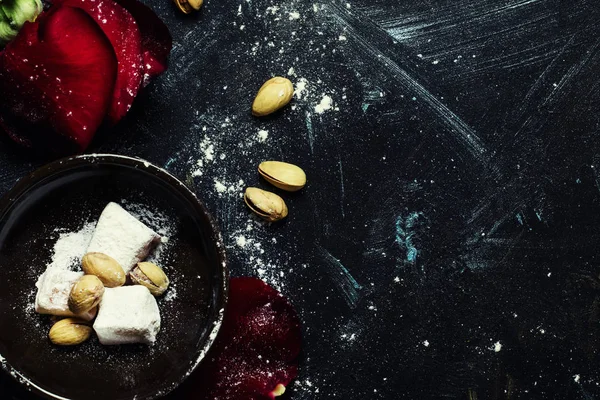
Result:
[121,29]
[56,79]
[156,39]
[238,377]
[271,326]
[256,349]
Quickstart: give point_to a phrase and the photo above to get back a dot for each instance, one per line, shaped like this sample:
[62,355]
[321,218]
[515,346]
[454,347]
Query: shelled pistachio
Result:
[265,204]
[273,95]
[285,176]
[85,294]
[151,276]
[106,268]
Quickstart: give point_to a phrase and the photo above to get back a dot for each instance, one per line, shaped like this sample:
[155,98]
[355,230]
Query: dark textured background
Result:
[454,194]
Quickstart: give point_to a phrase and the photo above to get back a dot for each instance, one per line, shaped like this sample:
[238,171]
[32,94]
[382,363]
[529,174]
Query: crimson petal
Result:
[56,79]
[156,39]
[121,29]
[271,326]
[257,347]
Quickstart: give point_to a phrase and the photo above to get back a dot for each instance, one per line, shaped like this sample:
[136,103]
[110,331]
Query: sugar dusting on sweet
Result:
[71,246]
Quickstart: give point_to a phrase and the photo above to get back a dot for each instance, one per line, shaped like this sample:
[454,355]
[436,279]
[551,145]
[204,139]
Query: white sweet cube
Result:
[128,314]
[54,287]
[123,237]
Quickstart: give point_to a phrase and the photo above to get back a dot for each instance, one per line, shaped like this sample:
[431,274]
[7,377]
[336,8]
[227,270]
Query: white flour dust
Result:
[223,187]
[262,135]
[71,246]
[497,347]
[214,154]
[325,105]
[158,222]
[301,85]
[257,247]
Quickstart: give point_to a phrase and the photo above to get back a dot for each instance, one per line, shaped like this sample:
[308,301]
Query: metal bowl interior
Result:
[62,197]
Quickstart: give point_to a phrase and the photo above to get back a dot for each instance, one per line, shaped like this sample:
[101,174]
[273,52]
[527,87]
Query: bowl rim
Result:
[53,168]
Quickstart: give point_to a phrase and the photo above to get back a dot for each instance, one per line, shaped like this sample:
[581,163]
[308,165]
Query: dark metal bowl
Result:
[66,194]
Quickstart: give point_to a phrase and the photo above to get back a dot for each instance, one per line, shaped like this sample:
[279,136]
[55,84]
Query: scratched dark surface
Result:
[447,243]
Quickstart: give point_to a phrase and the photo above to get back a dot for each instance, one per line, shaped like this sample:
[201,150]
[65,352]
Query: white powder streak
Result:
[71,247]
[219,187]
[301,88]
[263,135]
[324,105]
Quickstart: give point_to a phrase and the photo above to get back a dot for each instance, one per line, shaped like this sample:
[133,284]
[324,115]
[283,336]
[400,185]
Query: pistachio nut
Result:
[106,268]
[85,294]
[151,276]
[265,204]
[288,177]
[70,332]
[274,94]
[196,4]
[184,6]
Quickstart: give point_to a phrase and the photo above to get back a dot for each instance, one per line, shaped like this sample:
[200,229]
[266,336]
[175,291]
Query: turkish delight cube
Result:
[127,314]
[53,290]
[123,237]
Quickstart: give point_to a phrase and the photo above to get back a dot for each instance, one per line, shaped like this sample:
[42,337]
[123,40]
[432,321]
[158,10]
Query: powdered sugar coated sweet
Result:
[121,236]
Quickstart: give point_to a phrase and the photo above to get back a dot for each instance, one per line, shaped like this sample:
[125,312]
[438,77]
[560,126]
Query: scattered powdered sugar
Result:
[350,332]
[263,135]
[208,149]
[171,293]
[306,386]
[348,337]
[300,88]
[220,187]
[217,325]
[223,187]
[497,347]
[257,246]
[71,247]
[214,146]
[157,221]
[241,241]
[272,10]
[304,93]
[198,170]
[325,104]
